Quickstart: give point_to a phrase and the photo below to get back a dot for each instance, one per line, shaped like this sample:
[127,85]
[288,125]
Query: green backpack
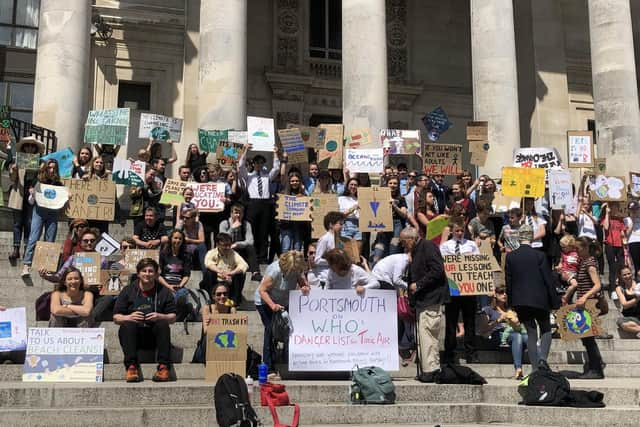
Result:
[372,385]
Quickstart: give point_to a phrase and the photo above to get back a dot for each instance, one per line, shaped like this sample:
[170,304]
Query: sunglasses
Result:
[500,292]
[88,240]
[311,253]
[221,294]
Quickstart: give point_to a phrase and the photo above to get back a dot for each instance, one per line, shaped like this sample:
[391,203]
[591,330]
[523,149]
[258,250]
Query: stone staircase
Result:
[189,401]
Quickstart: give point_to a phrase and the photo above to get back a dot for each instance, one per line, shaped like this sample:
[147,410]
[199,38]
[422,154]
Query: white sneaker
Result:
[26,270]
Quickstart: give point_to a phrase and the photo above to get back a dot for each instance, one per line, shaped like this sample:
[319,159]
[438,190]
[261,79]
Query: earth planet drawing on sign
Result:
[578,321]
[160,133]
[226,339]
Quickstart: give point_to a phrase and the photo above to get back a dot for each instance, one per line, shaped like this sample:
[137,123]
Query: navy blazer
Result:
[528,280]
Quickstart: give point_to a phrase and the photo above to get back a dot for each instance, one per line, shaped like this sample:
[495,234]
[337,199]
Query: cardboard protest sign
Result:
[351,248]
[442,159]
[293,145]
[293,208]
[634,184]
[172,192]
[436,122]
[64,355]
[479,151]
[574,323]
[337,329]
[5,124]
[95,199]
[375,209]
[608,188]
[133,256]
[228,153]
[13,329]
[364,160]
[160,128]
[560,188]
[330,156]
[28,161]
[312,137]
[64,159]
[107,245]
[50,196]
[502,203]
[208,139]
[523,182]
[261,133]
[436,226]
[128,173]
[107,127]
[46,256]
[538,157]
[600,166]
[113,281]
[358,138]
[478,131]
[470,274]
[397,142]
[208,196]
[580,148]
[321,204]
[89,264]
[226,349]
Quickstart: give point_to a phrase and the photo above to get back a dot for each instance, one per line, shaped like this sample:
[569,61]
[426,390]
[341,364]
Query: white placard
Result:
[107,245]
[208,196]
[537,157]
[364,160]
[261,133]
[64,355]
[51,196]
[560,189]
[13,329]
[159,127]
[238,137]
[334,330]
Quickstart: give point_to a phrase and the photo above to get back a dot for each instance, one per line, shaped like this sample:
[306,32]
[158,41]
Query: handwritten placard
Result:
[538,157]
[64,159]
[364,160]
[46,256]
[208,196]
[89,265]
[226,344]
[293,208]
[436,122]
[208,139]
[375,209]
[27,161]
[358,138]
[107,127]
[337,329]
[293,145]
[228,153]
[13,329]
[133,256]
[560,188]
[321,204]
[261,133]
[523,182]
[580,147]
[399,142]
[478,131]
[470,274]
[442,159]
[608,188]
[634,183]
[330,156]
[128,172]
[313,137]
[160,128]
[172,192]
[574,323]
[93,199]
[113,281]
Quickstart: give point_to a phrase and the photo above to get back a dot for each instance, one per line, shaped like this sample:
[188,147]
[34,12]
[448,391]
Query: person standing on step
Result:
[531,293]
[144,310]
[428,292]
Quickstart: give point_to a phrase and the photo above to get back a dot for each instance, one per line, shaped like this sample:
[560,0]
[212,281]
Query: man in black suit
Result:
[428,290]
[531,293]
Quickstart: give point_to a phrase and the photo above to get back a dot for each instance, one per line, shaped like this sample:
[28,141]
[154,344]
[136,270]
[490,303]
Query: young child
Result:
[333,224]
[568,265]
[187,194]
[481,228]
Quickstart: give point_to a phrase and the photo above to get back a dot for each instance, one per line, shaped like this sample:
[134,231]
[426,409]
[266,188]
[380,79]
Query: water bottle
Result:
[249,382]
[262,373]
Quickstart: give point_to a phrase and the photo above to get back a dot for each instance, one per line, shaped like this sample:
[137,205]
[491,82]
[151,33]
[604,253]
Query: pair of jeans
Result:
[41,218]
[388,242]
[199,250]
[266,315]
[533,318]
[22,224]
[134,336]
[291,238]
[518,343]
[615,259]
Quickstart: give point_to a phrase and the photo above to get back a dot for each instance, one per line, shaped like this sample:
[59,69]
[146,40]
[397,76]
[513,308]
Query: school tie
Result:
[260,185]
[457,247]
[530,220]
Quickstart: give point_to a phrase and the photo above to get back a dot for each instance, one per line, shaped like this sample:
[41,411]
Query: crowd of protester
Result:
[567,247]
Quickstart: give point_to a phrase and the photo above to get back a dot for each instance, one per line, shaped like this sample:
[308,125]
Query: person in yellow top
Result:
[225,266]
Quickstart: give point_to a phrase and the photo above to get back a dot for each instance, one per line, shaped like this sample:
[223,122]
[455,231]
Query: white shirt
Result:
[356,276]
[536,222]
[634,224]
[391,269]
[325,244]
[263,175]
[466,247]
[586,227]
[347,202]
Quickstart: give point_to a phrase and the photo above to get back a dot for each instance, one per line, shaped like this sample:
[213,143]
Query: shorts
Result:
[625,319]
[350,229]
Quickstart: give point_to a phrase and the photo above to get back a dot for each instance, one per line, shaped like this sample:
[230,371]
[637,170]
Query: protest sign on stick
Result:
[608,188]
[330,156]
[293,145]
[160,128]
[260,133]
[293,208]
[443,159]
[580,149]
[93,199]
[364,160]
[375,209]
[560,188]
[523,182]
[107,127]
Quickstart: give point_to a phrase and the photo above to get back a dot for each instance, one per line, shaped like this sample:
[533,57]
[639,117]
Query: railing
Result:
[47,136]
[325,68]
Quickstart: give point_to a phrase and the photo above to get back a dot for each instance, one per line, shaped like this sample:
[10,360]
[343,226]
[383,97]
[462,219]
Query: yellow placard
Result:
[523,182]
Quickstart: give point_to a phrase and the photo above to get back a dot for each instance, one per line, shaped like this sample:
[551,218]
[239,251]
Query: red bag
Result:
[273,395]
[405,312]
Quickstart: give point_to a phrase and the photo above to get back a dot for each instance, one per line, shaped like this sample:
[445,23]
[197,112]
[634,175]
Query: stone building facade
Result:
[533,68]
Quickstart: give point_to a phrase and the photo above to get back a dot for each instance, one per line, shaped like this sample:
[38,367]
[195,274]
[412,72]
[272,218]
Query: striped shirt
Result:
[584,280]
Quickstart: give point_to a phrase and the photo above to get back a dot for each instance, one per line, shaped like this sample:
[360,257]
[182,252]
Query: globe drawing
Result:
[578,321]
[226,339]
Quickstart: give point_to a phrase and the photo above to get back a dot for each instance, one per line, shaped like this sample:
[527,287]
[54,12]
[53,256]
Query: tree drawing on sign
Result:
[374,207]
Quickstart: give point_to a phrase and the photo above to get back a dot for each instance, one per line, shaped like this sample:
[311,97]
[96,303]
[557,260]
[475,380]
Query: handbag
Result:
[200,353]
[405,312]
[43,307]
[273,395]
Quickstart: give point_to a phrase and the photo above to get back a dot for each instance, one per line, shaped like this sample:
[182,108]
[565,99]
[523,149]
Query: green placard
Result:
[107,127]
[208,139]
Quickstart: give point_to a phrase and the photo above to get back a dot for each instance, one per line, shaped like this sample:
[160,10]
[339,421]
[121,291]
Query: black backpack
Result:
[547,388]
[232,404]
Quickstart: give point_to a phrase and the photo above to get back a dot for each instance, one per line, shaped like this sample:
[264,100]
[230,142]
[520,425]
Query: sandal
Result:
[519,375]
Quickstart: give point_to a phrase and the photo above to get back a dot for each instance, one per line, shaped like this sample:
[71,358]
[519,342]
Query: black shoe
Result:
[472,357]
[592,375]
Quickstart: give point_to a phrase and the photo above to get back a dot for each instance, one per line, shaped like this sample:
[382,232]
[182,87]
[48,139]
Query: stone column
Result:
[615,93]
[222,102]
[364,66]
[495,79]
[62,69]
